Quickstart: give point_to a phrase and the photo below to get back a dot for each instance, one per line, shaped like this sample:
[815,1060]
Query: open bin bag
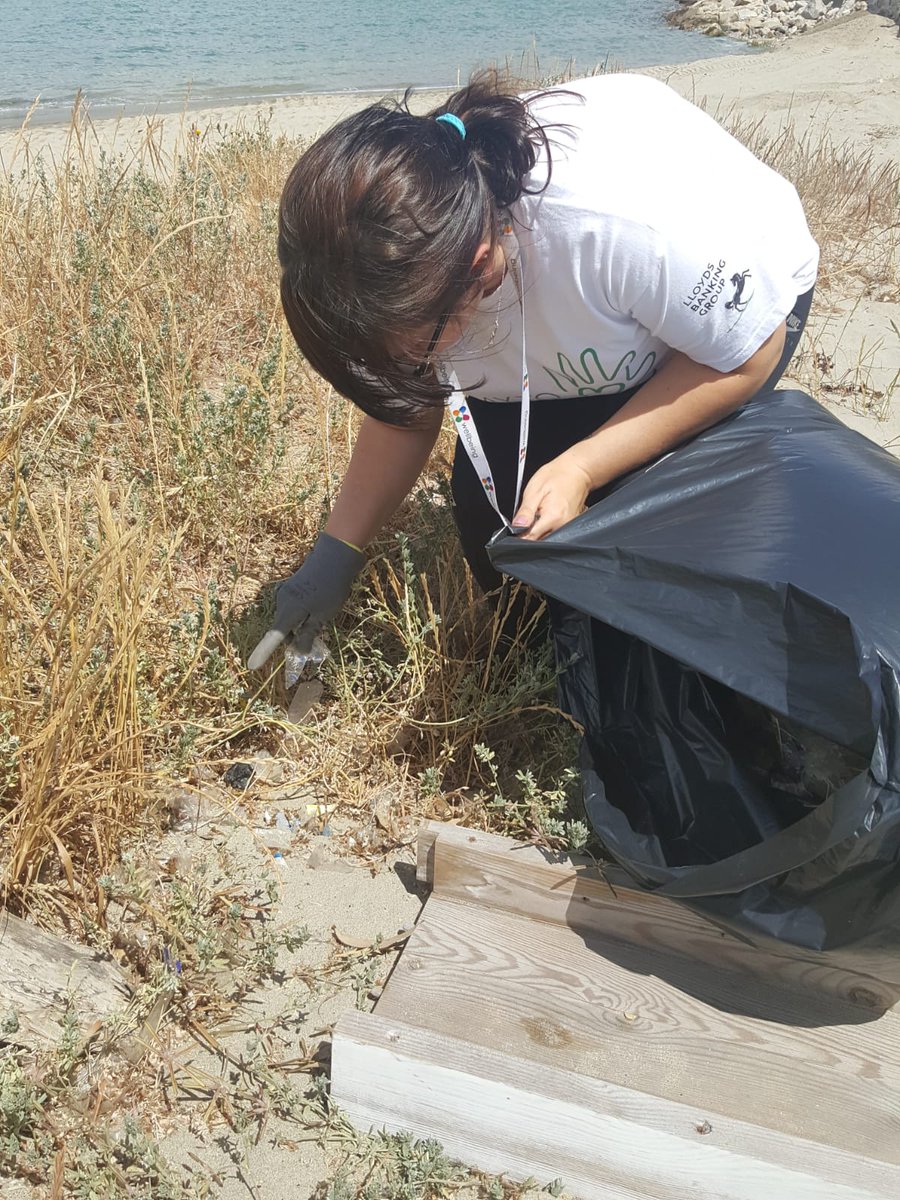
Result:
[727,630]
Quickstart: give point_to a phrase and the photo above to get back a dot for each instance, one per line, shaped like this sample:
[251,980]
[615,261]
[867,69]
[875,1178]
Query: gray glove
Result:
[312,596]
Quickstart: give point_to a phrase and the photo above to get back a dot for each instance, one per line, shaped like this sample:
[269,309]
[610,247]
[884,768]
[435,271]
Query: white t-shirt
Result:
[658,231]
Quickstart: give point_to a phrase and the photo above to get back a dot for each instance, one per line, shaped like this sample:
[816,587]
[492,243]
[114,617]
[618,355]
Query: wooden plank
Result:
[501,1113]
[495,872]
[571,1000]
[40,974]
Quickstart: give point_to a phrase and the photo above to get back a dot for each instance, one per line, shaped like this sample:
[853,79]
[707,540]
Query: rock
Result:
[239,775]
[755,20]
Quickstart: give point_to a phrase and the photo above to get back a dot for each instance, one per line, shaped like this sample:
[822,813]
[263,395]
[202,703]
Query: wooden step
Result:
[540,1022]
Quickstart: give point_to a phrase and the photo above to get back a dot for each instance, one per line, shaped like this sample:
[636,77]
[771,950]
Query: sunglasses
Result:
[435,338]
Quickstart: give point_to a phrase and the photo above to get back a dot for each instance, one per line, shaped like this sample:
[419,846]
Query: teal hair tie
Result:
[453,119]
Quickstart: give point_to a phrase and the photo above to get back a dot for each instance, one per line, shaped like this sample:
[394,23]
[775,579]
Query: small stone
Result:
[239,776]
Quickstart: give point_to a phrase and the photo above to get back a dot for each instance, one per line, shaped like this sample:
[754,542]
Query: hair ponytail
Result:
[380,225]
[501,134]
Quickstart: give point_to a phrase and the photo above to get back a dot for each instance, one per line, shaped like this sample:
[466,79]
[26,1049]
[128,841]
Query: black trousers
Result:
[555,426]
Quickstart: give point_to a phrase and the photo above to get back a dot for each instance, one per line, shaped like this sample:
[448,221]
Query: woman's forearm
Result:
[385,464]
[682,399]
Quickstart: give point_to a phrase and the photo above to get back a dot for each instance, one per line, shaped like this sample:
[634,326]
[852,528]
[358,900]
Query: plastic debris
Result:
[274,839]
[170,962]
[300,653]
[188,809]
[306,696]
[320,810]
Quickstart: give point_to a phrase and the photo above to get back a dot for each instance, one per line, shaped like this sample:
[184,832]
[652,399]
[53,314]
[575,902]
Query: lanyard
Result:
[459,408]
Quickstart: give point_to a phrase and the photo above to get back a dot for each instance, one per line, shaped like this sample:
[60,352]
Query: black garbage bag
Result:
[727,627]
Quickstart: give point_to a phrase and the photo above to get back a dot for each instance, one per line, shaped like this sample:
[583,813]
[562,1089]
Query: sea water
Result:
[133,55]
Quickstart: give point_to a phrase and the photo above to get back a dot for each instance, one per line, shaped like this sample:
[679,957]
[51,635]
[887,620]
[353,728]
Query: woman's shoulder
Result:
[598,92]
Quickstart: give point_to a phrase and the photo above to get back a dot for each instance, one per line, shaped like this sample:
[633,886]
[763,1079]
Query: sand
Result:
[321,888]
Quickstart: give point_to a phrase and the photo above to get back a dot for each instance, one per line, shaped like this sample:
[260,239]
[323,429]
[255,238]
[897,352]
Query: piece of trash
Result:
[170,962]
[630,1016]
[279,858]
[239,775]
[300,653]
[320,810]
[281,822]
[320,859]
[267,768]
[188,809]
[274,839]
[317,858]
[306,696]
[326,832]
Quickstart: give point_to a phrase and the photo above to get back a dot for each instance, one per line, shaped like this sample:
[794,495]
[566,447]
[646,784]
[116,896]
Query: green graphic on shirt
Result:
[591,377]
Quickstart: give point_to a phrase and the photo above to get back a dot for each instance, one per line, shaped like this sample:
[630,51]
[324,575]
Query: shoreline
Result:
[842,77]
[106,112]
[839,82]
[155,97]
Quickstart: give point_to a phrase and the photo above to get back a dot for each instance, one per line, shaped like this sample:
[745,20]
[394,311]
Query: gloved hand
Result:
[312,596]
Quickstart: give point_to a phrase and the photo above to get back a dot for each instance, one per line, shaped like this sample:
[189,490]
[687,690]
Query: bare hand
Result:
[555,495]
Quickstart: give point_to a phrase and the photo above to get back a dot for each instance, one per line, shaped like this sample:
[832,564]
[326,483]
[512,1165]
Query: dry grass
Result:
[164,457]
[851,201]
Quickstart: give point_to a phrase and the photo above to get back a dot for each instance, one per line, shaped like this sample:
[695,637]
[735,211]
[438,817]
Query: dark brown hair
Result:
[380,223]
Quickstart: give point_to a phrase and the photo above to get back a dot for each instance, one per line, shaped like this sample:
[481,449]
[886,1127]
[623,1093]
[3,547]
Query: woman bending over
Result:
[586,278]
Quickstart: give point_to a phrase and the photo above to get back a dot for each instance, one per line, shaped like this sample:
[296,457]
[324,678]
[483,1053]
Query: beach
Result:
[173,456]
[842,78]
[840,82]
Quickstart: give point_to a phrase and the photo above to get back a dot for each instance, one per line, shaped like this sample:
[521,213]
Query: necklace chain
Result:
[496,326]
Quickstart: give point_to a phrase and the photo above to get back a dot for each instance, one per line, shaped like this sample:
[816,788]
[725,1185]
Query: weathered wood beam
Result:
[41,976]
[501,1113]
